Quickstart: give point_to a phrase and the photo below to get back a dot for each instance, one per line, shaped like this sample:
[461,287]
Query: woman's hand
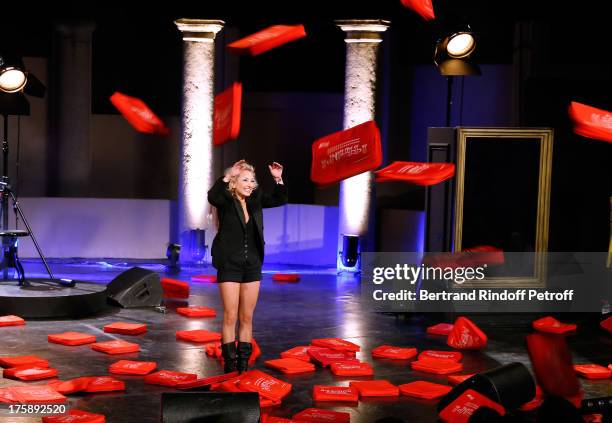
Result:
[276,170]
[234,170]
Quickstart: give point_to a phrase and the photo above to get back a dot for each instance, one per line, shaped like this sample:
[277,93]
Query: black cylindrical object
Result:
[350,250]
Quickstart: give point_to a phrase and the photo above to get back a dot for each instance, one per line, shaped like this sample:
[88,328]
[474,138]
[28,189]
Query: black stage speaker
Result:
[136,287]
[511,386]
[210,407]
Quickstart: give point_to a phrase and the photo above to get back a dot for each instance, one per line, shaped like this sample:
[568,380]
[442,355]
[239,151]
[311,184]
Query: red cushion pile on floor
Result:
[325,356]
[71,338]
[196,311]
[88,384]
[75,415]
[396,353]
[11,320]
[169,378]
[425,390]
[462,408]
[115,347]
[125,328]
[299,352]
[335,393]
[128,367]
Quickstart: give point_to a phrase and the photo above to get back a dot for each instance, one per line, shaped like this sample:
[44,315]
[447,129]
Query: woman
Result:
[238,251]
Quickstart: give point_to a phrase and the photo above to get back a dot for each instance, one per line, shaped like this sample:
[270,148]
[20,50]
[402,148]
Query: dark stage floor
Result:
[321,305]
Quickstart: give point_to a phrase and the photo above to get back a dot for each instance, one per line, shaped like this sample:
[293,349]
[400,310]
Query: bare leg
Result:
[248,299]
[230,296]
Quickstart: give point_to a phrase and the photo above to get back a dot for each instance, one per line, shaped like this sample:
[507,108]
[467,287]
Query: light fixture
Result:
[13,78]
[453,51]
[460,44]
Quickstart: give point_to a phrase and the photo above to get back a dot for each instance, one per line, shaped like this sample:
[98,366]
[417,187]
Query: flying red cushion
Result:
[226,117]
[139,115]
[551,325]
[267,39]
[591,122]
[417,173]
[466,335]
[423,7]
[346,153]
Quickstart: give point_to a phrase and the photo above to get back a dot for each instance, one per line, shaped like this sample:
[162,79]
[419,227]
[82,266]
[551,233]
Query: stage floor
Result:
[321,305]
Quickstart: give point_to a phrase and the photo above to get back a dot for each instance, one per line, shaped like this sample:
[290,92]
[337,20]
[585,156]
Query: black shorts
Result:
[242,271]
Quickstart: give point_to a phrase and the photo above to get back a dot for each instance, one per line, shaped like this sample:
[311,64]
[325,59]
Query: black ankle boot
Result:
[228,351]
[244,351]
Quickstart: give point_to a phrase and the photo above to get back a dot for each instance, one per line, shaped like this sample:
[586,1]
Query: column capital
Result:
[363,30]
[199,30]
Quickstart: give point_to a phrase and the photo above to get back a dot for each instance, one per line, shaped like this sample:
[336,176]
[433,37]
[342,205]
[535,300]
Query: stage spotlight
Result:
[350,250]
[13,77]
[460,44]
[452,54]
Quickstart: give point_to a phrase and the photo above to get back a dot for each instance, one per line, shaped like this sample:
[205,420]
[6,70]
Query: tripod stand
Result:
[10,236]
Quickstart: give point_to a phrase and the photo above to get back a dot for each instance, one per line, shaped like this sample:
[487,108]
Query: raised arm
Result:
[219,195]
[279,195]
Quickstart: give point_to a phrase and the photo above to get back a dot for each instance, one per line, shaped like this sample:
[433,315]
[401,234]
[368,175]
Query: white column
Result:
[362,37]
[196,156]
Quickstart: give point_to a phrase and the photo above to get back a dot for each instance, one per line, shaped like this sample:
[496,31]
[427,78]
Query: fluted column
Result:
[196,156]
[362,37]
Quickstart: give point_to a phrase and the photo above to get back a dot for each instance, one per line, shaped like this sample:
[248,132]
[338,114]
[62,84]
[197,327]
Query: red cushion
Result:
[126,328]
[169,378]
[591,122]
[397,353]
[204,278]
[198,335]
[335,393]
[267,39]
[423,389]
[105,384]
[301,353]
[535,402]
[327,356]
[31,394]
[207,381]
[66,387]
[346,153]
[593,371]
[462,408]
[320,415]
[75,416]
[266,385]
[115,347]
[440,329]
[286,277]
[290,365]
[607,324]
[174,288]
[552,325]
[226,117]
[466,335]
[441,355]
[335,344]
[435,366]
[417,173]
[11,320]
[71,338]
[423,7]
[128,367]
[351,369]
[29,373]
[139,115]
[196,311]
[375,388]
[23,360]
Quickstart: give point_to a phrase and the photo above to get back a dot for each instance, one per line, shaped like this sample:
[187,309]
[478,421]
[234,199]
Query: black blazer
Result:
[230,236]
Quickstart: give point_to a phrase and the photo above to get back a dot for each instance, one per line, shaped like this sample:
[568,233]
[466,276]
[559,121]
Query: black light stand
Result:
[9,236]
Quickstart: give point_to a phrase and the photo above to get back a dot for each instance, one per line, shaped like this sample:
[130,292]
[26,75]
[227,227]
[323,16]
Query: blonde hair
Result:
[232,182]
